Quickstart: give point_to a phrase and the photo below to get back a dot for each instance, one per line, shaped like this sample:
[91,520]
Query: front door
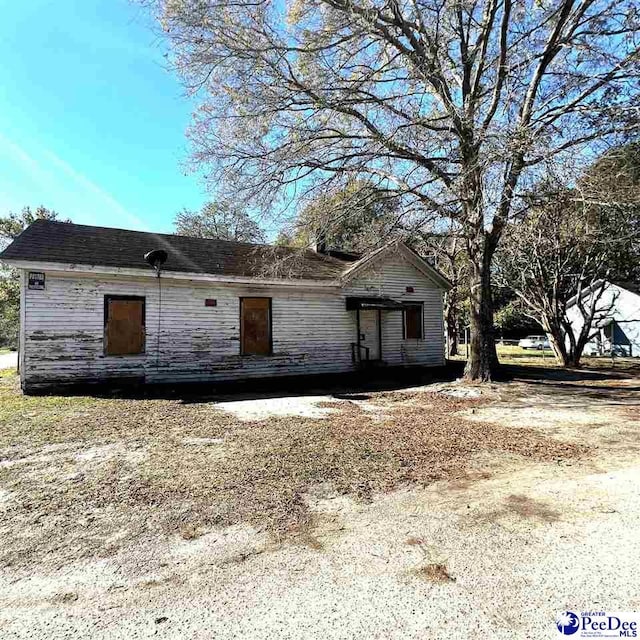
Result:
[370,333]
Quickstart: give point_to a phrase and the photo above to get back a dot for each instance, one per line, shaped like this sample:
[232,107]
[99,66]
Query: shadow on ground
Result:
[575,387]
[524,373]
[353,385]
[345,385]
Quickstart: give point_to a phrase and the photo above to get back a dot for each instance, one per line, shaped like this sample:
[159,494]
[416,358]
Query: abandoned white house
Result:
[616,322]
[94,308]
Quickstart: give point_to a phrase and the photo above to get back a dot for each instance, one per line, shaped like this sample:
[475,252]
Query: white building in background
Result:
[616,327]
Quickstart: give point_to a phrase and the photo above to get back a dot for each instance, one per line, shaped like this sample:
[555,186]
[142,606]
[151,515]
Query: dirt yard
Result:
[427,512]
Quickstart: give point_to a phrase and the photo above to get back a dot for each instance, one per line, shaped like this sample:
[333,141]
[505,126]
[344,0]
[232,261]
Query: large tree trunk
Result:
[452,347]
[559,348]
[451,319]
[481,246]
[566,355]
[568,358]
[483,359]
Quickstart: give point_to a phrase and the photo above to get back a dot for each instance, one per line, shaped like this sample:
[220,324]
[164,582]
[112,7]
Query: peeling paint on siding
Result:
[312,331]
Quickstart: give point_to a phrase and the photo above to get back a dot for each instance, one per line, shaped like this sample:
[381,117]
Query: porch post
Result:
[379,334]
[358,355]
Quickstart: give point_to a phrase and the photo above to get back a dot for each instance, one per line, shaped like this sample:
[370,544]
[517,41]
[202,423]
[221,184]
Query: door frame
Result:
[240,323]
[359,340]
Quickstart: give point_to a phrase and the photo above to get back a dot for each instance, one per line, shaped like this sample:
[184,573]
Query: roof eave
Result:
[88,270]
[605,284]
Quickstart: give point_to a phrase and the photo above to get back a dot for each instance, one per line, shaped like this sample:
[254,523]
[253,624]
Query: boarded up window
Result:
[255,326]
[124,318]
[413,322]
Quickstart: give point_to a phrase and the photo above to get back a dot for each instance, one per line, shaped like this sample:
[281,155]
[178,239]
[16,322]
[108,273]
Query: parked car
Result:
[534,342]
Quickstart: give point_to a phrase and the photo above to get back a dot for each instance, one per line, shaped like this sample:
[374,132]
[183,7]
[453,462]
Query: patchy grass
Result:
[434,573]
[514,355]
[434,570]
[524,507]
[508,354]
[18,413]
[514,352]
[82,476]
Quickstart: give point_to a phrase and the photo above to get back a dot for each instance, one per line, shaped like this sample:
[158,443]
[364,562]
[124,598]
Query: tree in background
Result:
[219,220]
[450,105]
[611,189]
[568,244]
[356,217]
[11,226]
[511,318]
[9,308]
[447,252]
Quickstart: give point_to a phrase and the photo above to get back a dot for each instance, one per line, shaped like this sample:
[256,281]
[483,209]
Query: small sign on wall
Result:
[36,280]
[210,302]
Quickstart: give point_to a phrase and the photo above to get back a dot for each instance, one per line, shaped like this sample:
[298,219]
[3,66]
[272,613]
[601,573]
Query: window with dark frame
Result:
[255,326]
[412,322]
[124,325]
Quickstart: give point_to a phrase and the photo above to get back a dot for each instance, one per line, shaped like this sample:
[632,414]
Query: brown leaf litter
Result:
[258,473]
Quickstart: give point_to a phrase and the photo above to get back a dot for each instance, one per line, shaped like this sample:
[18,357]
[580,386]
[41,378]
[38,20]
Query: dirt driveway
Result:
[434,512]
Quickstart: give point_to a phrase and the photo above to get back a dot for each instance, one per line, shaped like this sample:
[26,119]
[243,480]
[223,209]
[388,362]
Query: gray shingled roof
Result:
[67,243]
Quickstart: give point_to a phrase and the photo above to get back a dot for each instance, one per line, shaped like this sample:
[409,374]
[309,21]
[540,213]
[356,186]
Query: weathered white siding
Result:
[391,278]
[312,331]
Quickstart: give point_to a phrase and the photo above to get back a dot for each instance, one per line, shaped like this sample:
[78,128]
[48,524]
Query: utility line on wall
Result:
[156,259]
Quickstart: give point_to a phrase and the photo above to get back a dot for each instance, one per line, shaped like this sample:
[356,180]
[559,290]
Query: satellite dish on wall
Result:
[156,258]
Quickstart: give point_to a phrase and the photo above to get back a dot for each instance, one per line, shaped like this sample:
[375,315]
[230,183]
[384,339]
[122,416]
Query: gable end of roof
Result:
[380,254]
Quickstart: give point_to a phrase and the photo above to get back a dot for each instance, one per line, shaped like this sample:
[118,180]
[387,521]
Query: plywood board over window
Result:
[124,325]
[412,324]
[255,326]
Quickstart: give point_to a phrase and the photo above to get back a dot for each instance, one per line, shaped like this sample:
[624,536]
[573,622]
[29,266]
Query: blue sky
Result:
[91,122]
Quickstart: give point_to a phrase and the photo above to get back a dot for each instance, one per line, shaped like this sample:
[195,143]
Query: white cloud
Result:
[45,176]
[96,190]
